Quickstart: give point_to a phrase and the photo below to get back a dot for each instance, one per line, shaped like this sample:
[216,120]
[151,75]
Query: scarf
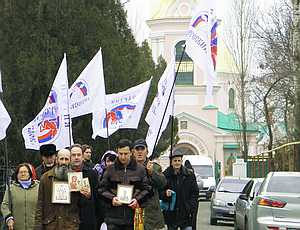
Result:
[25,183]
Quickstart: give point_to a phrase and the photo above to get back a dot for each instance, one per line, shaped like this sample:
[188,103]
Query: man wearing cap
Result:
[183,182]
[48,154]
[124,173]
[153,218]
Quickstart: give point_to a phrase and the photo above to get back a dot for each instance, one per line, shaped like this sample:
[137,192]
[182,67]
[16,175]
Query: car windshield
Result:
[203,170]
[232,185]
[284,184]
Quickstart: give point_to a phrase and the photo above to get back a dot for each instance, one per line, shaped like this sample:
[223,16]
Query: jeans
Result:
[174,227]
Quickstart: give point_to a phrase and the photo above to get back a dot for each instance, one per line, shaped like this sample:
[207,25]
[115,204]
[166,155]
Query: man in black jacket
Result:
[183,182]
[88,211]
[48,154]
[125,171]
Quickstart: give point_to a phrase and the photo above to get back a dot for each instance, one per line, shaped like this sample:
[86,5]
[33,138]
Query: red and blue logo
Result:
[49,124]
[48,130]
[201,20]
[80,89]
[52,97]
[214,44]
[117,114]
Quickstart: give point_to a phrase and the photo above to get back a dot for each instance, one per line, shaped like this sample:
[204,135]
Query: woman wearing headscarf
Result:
[20,199]
[107,159]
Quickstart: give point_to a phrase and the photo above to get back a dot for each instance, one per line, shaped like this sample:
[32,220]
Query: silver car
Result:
[244,202]
[223,199]
[277,205]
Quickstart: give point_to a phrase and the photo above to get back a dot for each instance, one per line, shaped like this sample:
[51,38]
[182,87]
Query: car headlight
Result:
[219,203]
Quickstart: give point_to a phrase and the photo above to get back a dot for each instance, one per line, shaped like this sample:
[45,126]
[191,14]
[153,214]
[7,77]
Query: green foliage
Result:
[35,34]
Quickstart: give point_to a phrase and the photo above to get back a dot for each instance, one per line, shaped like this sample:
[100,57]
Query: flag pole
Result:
[156,140]
[107,133]
[69,115]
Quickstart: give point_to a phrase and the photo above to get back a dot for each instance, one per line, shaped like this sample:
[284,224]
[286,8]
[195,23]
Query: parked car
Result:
[204,171]
[224,198]
[244,201]
[277,205]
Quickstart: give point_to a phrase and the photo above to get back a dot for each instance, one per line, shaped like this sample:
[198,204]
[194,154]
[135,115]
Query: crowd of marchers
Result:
[39,199]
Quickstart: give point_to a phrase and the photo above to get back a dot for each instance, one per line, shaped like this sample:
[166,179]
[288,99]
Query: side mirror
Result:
[212,189]
[243,197]
[252,196]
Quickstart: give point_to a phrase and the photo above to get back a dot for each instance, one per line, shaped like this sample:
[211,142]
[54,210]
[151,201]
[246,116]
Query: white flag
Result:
[87,93]
[4,121]
[201,43]
[52,124]
[155,115]
[124,111]
[1,89]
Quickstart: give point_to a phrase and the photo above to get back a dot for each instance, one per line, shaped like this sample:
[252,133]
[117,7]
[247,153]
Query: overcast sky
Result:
[139,11]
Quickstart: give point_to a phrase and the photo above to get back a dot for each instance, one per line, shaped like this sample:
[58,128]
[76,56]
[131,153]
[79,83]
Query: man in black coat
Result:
[125,171]
[87,204]
[48,154]
[182,181]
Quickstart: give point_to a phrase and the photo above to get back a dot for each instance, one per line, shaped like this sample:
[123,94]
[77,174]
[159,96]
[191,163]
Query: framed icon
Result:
[74,180]
[124,193]
[85,183]
[61,193]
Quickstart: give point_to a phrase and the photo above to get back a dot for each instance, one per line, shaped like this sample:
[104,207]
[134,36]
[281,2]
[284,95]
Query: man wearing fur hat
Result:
[48,154]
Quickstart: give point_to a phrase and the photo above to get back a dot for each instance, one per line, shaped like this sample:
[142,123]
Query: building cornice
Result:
[194,90]
[200,122]
[169,20]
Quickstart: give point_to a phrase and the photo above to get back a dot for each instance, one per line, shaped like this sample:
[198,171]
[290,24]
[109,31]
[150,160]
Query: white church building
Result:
[212,131]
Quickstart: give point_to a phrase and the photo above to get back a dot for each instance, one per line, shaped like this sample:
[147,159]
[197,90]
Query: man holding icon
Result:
[124,176]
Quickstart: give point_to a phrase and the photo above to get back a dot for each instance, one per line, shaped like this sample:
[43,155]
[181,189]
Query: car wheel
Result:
[213,221]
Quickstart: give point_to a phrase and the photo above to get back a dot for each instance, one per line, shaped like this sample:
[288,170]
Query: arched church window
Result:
[186,70]
[231,95]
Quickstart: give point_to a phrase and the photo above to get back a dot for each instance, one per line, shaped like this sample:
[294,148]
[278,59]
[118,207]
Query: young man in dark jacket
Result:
[125,171]
[183,182]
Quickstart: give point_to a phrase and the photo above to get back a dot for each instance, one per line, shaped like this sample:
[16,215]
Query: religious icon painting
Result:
[61,193]
[124,193]
[74,181]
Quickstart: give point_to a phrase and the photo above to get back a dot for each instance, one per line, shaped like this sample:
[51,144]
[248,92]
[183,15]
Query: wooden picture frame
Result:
[61,193]
[125,193]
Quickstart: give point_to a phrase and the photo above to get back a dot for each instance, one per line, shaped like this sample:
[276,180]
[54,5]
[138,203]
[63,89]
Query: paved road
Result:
[203,219]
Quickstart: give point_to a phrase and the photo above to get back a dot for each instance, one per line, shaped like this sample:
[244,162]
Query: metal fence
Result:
[282,158]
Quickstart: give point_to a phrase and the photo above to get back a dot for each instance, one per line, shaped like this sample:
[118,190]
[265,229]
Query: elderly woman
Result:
[19,202]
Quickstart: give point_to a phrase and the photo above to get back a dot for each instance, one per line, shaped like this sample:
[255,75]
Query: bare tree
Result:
[296,68]
[274,82]
[240,44]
